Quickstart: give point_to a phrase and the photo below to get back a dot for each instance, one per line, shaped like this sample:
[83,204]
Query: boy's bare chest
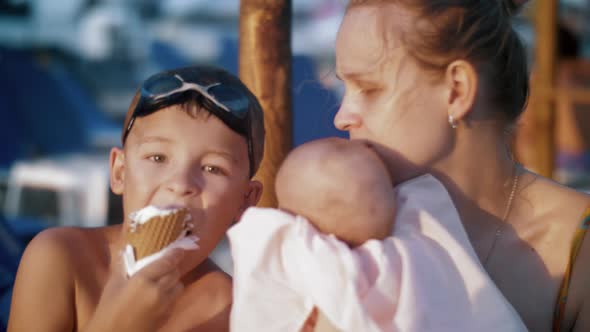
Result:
[197,310]
[87,295]
[194,310]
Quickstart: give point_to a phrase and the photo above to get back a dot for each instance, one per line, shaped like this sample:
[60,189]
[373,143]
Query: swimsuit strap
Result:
[564,290]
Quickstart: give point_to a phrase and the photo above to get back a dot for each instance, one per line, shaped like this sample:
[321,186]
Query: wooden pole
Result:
[265,67]
[544,81]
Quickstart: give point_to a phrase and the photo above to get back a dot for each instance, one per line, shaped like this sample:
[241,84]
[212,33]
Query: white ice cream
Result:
[132,266]
[140,217]
[150,211]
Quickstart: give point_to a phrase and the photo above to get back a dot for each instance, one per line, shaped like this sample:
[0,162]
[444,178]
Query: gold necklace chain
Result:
[500,228]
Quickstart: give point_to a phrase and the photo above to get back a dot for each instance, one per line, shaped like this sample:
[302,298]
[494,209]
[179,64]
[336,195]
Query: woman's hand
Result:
[142,302]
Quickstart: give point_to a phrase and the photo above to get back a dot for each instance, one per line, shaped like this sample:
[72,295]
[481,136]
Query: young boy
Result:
[193,137]
[328,260]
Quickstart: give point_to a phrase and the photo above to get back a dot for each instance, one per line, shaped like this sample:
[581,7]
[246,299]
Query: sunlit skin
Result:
[382,76]
[341,187]
[391,100]
[169,159]
[196,163]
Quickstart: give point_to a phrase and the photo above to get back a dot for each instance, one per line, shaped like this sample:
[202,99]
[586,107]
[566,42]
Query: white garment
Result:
[426,277]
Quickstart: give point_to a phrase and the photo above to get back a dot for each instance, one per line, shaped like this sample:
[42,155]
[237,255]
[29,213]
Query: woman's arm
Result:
[43,296]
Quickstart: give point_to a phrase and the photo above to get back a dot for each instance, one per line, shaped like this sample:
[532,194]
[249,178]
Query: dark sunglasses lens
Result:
[233,99]
[161,84]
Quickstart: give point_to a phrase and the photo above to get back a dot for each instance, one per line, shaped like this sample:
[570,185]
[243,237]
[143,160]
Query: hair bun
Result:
[512,7]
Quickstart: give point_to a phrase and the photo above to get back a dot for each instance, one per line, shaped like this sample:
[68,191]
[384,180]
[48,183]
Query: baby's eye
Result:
[212,169]
[157,158]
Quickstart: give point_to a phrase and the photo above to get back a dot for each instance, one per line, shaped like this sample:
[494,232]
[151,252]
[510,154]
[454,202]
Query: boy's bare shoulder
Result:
[56,237]
[206,302]
[62,251]
[66,242]
[212,282]
[55,245]
[45,280]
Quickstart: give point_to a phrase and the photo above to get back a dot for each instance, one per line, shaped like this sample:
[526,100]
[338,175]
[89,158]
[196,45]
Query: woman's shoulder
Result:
[554,200]
[569,209]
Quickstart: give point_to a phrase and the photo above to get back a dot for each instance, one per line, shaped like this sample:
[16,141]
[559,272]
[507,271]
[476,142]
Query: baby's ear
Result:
[252,196]
[117,168]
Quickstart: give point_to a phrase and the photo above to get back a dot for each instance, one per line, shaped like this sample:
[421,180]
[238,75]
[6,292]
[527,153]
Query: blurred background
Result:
[69,68]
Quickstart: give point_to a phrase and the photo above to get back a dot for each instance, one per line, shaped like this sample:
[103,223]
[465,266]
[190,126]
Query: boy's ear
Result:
[252,196]
[117,170]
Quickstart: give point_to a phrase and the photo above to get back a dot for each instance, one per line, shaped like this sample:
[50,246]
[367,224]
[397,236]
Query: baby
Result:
[331,258]
[342,187]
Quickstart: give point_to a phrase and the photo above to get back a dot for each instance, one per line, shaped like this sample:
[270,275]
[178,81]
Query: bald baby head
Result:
[342,187]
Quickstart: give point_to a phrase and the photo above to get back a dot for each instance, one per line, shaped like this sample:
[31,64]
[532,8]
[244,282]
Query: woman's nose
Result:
[346,120]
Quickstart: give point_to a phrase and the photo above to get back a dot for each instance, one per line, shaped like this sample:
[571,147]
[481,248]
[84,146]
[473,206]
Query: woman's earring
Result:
[452,122]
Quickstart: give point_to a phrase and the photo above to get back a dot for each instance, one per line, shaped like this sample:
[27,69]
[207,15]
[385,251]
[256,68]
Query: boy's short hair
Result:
[209,76]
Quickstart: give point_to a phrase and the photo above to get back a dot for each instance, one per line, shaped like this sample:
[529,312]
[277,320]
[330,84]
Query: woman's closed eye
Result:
[362,90]
[368,91]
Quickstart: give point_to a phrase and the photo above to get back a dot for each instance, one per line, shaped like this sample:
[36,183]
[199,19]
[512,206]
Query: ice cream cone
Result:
[154,234]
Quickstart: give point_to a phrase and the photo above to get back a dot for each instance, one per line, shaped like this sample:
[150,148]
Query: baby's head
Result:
[342,187]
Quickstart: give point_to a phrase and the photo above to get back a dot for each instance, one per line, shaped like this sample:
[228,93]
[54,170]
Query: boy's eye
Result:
[212,169]
[158,158]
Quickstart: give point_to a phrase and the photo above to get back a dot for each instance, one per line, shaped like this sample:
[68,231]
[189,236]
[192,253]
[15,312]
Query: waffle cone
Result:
[155,234]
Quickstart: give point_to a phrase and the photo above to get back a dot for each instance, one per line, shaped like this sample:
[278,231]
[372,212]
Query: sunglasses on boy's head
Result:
[226,102]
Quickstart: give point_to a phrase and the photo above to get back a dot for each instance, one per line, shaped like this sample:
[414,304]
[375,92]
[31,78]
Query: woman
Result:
[436,85]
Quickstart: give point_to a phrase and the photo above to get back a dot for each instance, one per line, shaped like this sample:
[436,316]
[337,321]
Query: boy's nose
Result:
[346,120]
[184,184]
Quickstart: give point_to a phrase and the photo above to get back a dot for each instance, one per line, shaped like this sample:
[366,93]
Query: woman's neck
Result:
[479,172]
